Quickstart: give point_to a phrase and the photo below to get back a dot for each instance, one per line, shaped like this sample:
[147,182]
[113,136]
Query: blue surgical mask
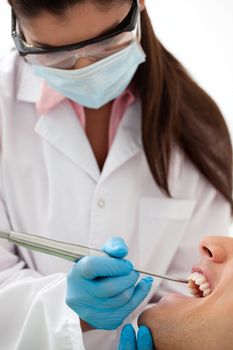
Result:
[99,83]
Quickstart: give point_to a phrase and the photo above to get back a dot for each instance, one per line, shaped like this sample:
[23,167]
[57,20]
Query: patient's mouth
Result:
[199,285]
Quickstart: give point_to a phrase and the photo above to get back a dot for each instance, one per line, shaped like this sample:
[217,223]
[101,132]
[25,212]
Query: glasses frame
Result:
[127,25]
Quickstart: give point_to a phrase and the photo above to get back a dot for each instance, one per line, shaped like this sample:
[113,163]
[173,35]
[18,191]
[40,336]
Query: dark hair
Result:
[180,111]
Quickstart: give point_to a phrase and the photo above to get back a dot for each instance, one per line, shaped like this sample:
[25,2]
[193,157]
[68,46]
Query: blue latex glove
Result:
[129,341]
[103,290]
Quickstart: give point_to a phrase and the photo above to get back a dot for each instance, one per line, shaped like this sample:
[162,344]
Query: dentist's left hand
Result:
[103,290]
[130,341]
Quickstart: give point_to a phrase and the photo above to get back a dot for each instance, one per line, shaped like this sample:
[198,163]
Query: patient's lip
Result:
[201,269]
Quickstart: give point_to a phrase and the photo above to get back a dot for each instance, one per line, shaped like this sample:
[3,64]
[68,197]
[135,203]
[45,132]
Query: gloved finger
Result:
[116,247]
[141,291]
[110,286]
[117,301]
[144,339]
[127,338]
[91,267]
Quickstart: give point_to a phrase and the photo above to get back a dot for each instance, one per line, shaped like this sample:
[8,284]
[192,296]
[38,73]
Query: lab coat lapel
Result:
[62,129]
[30,85]
[67,135]
[127,141]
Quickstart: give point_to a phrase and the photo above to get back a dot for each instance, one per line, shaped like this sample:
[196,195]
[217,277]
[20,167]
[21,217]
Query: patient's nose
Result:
[213,248]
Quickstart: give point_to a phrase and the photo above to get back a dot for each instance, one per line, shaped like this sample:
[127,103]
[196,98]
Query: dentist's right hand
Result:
[103,290]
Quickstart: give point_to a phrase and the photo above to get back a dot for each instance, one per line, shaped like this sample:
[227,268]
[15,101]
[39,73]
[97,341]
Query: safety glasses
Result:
[94,49]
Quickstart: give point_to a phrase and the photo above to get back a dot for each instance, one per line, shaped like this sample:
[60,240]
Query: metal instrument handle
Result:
[68,251]
[63,250]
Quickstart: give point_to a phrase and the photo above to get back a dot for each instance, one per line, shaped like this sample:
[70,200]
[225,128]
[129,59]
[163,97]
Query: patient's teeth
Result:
[200,280]
[206,292]
[204,286]
[195,275]
[198,284]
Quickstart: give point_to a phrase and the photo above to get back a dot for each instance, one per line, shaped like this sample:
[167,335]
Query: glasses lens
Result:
[56,60]
[95,52]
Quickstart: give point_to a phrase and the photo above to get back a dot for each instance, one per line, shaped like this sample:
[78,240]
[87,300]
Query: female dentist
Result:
[103,133]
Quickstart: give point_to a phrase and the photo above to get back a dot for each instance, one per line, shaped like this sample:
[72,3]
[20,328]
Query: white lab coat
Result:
[51,186]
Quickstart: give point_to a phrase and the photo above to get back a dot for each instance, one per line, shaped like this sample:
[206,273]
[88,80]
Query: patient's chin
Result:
[182,328]
[161,323]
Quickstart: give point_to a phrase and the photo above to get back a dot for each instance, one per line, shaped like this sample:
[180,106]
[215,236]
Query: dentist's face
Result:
[178,322]
[80,22]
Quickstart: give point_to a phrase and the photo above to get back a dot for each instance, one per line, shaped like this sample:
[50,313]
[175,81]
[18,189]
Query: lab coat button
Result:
[101,203]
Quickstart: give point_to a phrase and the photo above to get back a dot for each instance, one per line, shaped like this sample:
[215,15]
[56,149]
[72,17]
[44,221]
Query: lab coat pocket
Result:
[162,225]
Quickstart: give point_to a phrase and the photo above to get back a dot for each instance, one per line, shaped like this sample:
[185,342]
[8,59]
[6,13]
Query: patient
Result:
[204,321]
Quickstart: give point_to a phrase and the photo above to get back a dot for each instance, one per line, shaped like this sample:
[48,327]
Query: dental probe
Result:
[72,252]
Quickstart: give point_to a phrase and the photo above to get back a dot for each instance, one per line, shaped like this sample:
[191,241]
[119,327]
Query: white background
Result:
[198,32]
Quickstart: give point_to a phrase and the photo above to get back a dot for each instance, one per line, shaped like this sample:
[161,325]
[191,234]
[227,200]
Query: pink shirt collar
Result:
[50,98]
